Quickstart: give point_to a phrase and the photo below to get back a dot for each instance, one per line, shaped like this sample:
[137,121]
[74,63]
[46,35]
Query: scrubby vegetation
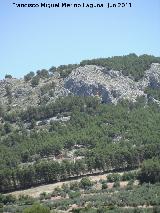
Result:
[137,198]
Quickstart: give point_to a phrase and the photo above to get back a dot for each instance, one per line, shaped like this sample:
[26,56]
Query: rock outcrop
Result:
[110,86]
[90,80]
[153,76]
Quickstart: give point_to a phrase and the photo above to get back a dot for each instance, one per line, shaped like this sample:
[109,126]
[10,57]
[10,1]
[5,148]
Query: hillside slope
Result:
[69,111]
[90,80]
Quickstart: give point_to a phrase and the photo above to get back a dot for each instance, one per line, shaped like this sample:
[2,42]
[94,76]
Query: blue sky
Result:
[37,38]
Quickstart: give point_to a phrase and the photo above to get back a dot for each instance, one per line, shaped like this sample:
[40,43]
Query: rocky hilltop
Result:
[110,85]
[17,93]
[89,80]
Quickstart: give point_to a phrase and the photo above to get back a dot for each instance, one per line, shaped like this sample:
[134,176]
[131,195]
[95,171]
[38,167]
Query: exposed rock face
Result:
[22,94]
[90,80]
[153,76]
[111,85]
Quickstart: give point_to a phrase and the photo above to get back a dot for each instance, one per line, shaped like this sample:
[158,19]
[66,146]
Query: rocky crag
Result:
[89,80]
[111,85]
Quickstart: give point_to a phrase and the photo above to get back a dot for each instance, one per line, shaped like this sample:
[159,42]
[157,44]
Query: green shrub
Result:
[29,76]
[85,183]
[113,177]
[8,76]
[73,194]
[37,208]
[104,186]
[116,184]
[35,81]
[74,185]
[128,176]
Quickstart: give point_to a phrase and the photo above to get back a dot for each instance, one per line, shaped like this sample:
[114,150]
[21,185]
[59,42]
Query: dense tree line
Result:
[116,137]
[62,70]
[130,65]
[51,171]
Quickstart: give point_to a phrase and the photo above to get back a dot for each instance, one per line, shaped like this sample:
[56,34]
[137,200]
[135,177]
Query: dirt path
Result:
[36,191]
